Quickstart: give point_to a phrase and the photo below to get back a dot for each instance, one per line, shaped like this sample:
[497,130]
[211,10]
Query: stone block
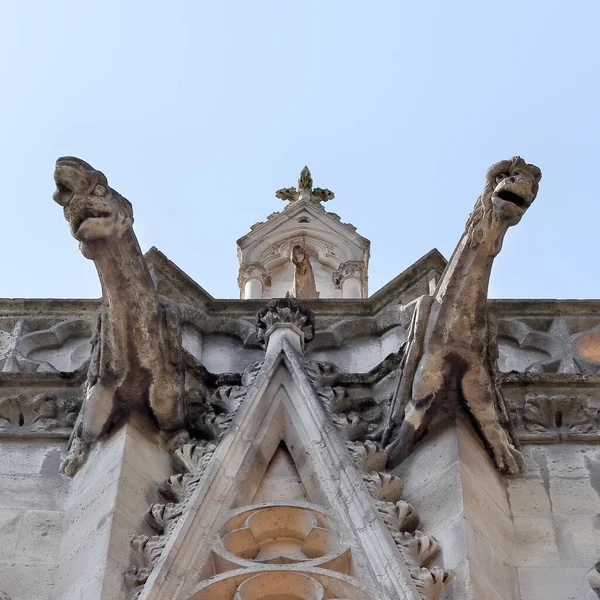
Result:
[491,568]
[27,580]
[528,498]
[477,460]
[10,523]
[23,458]
[434,455]
[33,492]
[578,540]
[536,542]
[439,500]
[484,513]
[554,584]
[40,536]
[565,460]
[573,496]
[452,539]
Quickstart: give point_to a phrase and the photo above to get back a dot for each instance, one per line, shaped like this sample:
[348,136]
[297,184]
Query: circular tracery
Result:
[281,534]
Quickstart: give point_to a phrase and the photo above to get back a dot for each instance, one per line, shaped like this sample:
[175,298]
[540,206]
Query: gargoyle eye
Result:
[500,177]
[99,190]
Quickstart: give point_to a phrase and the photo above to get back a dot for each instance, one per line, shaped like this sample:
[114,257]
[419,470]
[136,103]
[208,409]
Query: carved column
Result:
[252,280]
[351,277]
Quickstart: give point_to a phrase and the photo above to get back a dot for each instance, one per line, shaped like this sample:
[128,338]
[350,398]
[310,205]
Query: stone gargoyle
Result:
[450,354]
[136,357]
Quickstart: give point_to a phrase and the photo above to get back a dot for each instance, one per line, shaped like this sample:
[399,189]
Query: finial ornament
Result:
[305,190]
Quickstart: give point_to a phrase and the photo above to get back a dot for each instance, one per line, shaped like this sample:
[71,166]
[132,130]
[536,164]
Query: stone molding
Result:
[253,270]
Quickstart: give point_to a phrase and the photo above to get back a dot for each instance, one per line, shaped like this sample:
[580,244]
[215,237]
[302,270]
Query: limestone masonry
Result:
[307,441]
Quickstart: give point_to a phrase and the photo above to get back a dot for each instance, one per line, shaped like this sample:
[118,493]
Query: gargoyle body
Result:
[136,356]
[448,354]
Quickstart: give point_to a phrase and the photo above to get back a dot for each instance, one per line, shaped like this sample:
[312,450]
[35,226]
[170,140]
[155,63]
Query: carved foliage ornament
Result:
[566,414]
[305,190]
[41,412]
[285,310]
[401,518]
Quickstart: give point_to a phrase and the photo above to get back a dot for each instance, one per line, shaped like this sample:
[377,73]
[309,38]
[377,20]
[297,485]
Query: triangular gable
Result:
[281,405]
[281,480]
[272,225]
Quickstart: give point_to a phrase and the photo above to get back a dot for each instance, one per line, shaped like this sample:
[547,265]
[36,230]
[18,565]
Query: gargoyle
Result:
[449,355]
[136,357]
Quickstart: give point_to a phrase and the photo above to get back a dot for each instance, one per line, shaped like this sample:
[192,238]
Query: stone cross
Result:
[305,190]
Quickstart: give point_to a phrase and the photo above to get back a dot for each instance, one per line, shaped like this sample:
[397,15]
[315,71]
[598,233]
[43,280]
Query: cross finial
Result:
[305,190]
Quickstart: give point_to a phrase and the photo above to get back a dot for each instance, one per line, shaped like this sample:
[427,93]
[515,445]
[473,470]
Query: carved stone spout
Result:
[135,360]
[448,355]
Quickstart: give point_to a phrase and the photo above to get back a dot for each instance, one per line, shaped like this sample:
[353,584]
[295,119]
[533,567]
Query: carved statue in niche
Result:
[136,356]
[304,278]
[448,355]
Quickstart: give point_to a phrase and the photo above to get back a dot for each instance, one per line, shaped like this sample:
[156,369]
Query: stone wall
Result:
[32,502]
[555,507]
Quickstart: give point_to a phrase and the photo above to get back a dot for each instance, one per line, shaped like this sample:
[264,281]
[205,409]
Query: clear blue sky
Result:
[198,111]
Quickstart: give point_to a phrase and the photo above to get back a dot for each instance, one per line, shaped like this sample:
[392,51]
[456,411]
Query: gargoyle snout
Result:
[73,176]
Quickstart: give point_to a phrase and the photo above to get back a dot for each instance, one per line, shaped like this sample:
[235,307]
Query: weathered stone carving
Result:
[190,459]
[40,412]
[350,268]
[253,270]
[400,517]
[285,310]
[543,414]
[448,355]
[136,356]
[305,190]
[304,279]
[277,533]
[594,578]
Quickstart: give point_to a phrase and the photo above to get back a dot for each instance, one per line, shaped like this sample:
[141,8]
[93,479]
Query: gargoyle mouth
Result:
[83,214]
[63,195]
[509,196]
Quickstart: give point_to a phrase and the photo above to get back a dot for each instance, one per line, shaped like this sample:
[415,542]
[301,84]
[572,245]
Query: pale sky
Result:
[198,112]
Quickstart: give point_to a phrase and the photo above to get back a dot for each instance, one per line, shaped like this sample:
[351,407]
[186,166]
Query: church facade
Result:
[307,441]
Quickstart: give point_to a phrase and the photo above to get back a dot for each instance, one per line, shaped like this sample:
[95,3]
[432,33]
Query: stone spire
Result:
[305,190]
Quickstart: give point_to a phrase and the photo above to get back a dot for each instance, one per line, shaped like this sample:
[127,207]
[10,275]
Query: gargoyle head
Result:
[94,210]
[514,185]
[510,188]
